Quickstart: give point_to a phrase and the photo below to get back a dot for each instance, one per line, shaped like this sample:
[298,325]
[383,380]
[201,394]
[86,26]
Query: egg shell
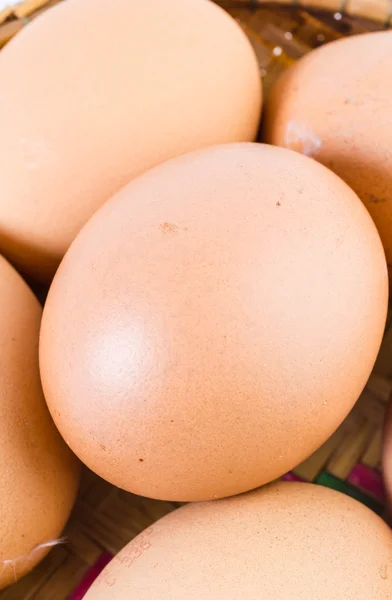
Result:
[214,322]
[334,105]
[95,93]
[283,542]
[38,473]
[387,456]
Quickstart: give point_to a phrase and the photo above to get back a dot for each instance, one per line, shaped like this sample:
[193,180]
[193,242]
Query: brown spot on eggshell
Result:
[286,541]
[168,228]
[384,572]
[375,200]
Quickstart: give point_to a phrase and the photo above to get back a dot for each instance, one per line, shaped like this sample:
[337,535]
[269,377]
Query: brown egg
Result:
[335,105]
[94,93]
[39,475]
[214,323]
[387,455]
[287,541]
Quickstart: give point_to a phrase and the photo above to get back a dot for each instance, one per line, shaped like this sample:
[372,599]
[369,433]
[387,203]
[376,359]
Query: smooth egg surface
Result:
[214,323]
[287,541]
[95,93]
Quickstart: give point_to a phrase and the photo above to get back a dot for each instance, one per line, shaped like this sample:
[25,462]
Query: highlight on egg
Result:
[214,323]
[39,475]
[284,541]
[334,105]
[95,93]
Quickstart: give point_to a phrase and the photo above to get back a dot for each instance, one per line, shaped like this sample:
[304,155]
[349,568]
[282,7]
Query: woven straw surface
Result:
[105,518]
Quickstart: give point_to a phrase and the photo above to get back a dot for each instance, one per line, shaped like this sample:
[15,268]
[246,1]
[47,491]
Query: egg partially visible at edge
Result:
[334,105]
[95,93]
[38,473]
[287,541]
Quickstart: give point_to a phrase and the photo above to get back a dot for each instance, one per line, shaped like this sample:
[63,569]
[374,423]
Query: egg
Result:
[95,93]
[214,322]
[387,455]
[38,473]
[286,541]
[334,105]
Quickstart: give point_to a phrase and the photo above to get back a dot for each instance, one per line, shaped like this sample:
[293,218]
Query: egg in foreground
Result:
[283,542]
[38,473]
[214,323]
[95,93]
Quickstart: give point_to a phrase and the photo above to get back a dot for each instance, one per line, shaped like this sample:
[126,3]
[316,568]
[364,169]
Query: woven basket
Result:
[106,518]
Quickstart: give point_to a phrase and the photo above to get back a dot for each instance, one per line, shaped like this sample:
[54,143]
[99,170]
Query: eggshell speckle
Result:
[284,542]
[214,322]
[38,474]
[335,105]
[95,93]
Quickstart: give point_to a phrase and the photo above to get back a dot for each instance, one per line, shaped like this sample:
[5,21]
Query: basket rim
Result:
[379,11]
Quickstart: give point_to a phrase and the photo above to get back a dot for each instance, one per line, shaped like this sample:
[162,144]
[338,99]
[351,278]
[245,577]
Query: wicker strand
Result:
[28,7]
[379,11]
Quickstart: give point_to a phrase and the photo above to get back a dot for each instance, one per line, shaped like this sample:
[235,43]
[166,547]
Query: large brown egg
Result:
[335,105]
[94,93]
[288,541]
[214,322]
[38,474]
[387,455]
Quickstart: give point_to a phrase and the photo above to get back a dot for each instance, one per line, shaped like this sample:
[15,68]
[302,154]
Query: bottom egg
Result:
[286,541]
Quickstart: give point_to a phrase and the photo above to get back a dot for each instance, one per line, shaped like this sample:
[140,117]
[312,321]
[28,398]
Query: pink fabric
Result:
[368,480]
[291,477]
[91,576]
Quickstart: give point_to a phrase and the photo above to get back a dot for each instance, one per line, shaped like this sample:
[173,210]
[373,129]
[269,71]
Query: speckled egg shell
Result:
[38,474]
[335,105]
[288,541]
[214,322]
[95,93]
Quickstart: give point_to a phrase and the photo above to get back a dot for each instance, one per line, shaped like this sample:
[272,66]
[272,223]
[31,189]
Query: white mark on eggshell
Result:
[300,137]
[35,153]
[12,563]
